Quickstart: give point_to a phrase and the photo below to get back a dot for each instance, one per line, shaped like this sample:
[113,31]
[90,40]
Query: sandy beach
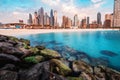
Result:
[14,32]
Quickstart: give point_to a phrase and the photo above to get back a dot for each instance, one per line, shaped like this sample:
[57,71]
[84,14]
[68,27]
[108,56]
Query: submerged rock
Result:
[50,53]
[108,53]
[60,68]
[8,75]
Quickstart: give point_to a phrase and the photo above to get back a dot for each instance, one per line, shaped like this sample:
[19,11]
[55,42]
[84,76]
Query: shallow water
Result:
[97,47]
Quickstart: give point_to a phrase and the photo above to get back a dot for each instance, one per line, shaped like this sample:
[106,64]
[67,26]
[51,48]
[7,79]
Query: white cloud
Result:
[95,1]
[51,2]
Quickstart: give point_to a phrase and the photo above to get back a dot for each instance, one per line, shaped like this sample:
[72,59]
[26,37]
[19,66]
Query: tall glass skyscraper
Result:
[76,20]
[55,18]
[51,18]
[41,16]
[99,22]
[30,19]
[116,22]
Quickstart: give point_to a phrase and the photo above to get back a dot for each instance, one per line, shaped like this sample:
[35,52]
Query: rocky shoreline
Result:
[20,61]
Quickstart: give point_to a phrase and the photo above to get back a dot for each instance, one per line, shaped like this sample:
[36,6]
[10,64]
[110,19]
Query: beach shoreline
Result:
[15,32]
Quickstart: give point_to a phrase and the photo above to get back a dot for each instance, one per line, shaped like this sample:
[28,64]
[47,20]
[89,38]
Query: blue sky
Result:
[13,10]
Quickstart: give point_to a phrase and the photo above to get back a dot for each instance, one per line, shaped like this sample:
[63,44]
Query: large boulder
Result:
[11,50]
[10,67]
[58,67]
[35,72]
[109,73]
[6,58]
[34,59]
[3,38]
[8,48]
[8,75]
[50,53]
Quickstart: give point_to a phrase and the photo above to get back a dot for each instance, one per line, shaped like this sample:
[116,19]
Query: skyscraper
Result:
[83,23]
[30,19]
[76,20]
[51,18]
[55,18]
[41,16]
[116,22]
[88,22]
[108,20]
[45,19]
[36,21]
[99,22]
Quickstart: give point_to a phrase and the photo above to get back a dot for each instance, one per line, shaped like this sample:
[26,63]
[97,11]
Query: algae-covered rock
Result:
[50,53]
[26,46]
[13,38]
[59,67]
[34,59]
[82,66]
[40,47]
[27,42]
[34,50]
[74,78]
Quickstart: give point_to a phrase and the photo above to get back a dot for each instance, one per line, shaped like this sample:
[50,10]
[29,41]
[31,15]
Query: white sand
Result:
[14,32]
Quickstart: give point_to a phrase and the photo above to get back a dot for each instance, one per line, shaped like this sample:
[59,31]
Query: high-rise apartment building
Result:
[108,21]
[76,20]
[30,21]
[116,14]
[51,18]
[35,21]
[88,22]
[41,16]
[83,23]
[99,22]
[55,18]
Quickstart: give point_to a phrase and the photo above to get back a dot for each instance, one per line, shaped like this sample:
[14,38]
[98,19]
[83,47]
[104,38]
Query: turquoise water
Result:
[97,47]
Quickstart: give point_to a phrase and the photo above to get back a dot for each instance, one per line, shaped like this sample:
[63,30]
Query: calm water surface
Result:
[97,47]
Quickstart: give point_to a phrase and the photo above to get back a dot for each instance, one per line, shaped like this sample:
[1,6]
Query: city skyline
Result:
[18,9]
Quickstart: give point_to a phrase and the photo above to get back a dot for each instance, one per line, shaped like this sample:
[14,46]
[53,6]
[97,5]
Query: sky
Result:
[15,10]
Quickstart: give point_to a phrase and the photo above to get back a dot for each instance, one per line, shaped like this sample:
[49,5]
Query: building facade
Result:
[99,22]
[116,14]
[88,22]
[51,18]
[41,16]
[108,23]
[30,20]
[55,18]
[76,21]
[36,20]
